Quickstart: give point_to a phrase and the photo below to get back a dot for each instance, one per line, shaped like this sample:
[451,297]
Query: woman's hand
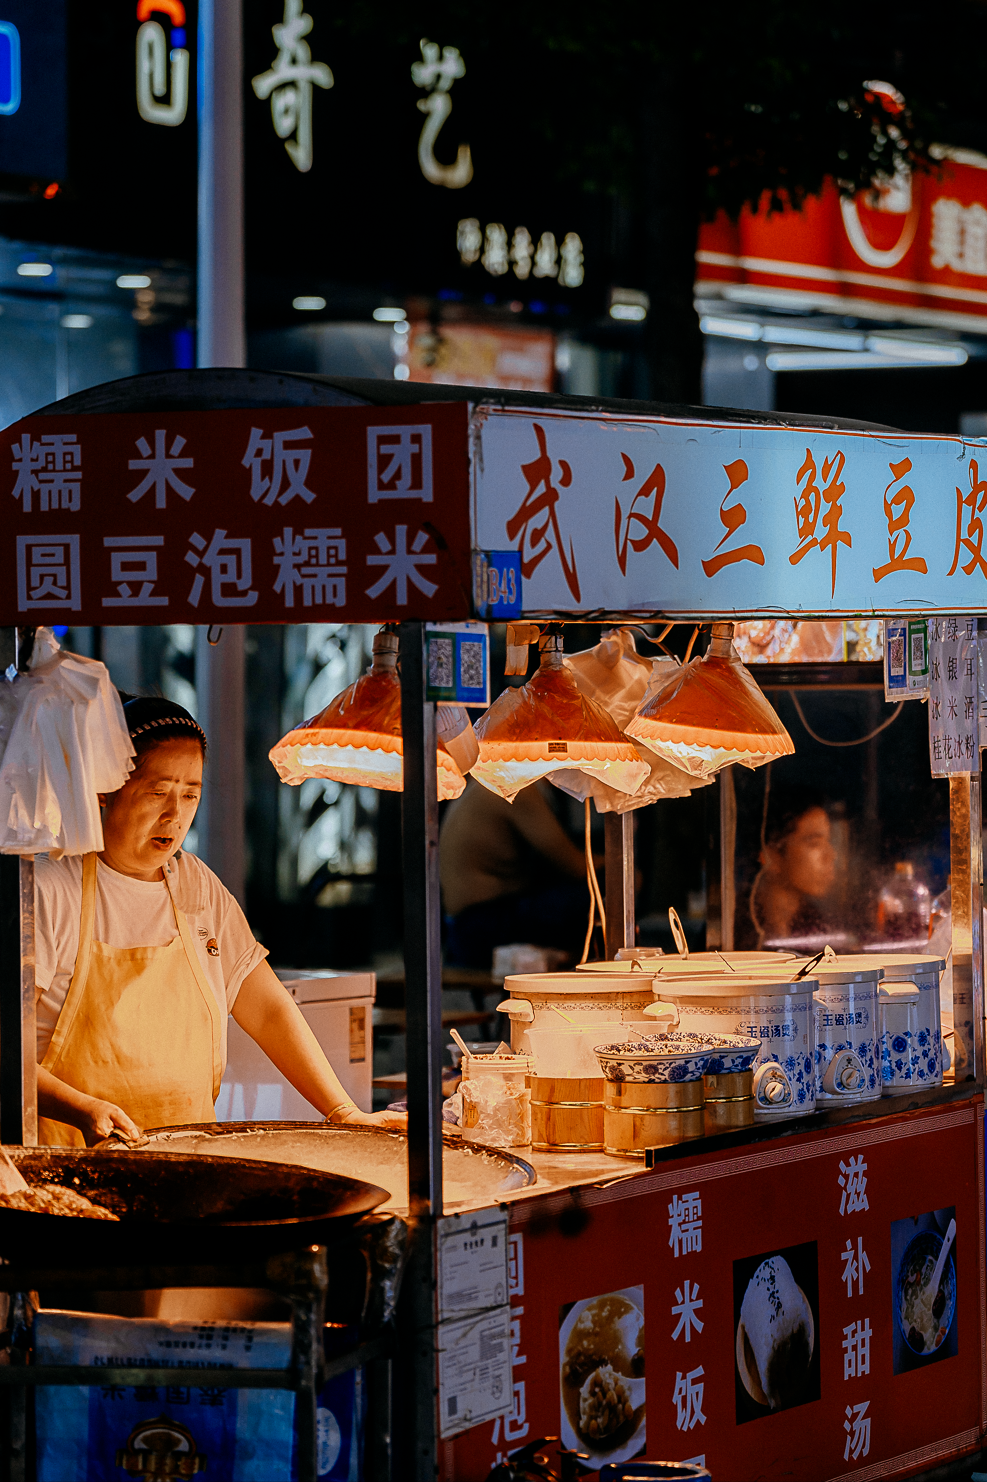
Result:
[354,1117]
[101,1118]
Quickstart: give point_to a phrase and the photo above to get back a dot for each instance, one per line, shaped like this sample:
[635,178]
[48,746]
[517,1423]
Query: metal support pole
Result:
[618,836]
[18,1050]
[220,337]
[966,874]
[221,341]
[728,853]
[220,685]
[423,1008]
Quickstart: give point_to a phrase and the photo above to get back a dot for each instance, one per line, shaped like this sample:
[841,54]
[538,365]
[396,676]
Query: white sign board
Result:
[954,700]
[626,514]
[474,1370]
[472,1262]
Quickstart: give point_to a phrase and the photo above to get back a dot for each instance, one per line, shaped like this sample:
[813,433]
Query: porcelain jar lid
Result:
[907,964]
[576,985]
[734,985]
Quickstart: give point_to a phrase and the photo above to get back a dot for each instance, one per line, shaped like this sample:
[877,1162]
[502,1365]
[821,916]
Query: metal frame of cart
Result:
[218,391]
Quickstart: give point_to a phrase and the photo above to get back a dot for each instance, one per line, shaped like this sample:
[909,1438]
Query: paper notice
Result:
[474,1370]
[472,1252]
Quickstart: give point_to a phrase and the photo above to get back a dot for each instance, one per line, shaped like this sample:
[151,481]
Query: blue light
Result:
[10,68]
[536,306]
[183,349]
[59,630]
[449,296]
[489,299]
[178,36]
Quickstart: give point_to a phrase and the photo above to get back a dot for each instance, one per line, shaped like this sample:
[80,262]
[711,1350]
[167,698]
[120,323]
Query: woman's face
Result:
[806,859]
[145,823]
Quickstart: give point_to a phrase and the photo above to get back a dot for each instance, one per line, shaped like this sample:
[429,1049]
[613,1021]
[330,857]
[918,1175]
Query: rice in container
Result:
[776,1011]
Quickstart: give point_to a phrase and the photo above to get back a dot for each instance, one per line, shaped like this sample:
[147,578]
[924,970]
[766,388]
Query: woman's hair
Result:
[152,719]
[786,806]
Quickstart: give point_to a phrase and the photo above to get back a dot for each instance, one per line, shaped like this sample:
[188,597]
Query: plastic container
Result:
[904,906]
[496,1100]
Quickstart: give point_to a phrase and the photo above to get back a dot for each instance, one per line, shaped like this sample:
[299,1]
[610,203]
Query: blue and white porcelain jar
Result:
[898,1006]
[923,973]
[777,1012]
[847,1057]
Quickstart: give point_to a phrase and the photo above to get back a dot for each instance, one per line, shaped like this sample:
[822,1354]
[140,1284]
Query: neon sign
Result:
[10,68]
[288,83]
[437,75]
[152,64]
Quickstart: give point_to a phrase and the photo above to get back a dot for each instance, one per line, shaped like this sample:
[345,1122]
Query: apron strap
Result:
[73,997]
[203,985]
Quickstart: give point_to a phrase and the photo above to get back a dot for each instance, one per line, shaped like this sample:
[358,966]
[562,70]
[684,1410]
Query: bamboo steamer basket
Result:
[729,1101]
[639,1115]
[567,1114]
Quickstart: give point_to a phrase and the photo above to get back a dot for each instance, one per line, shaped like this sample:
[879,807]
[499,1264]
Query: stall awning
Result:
[250,496]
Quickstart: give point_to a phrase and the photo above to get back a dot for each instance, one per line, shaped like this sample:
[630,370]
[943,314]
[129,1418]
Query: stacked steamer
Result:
[558,1019]
[767,1004]
[910,1026]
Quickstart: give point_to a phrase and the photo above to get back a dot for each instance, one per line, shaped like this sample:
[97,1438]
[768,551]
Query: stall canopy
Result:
[248,496]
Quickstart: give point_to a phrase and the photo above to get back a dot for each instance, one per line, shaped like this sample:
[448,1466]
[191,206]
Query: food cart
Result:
[423,505]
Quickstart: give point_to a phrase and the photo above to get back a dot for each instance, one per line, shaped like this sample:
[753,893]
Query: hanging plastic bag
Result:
[67,742]
[613,674]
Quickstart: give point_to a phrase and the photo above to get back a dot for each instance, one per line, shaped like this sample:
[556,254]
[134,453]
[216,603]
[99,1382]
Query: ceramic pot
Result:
[898,1006]
[775,1011]
[574,1001]
[924,973]
[659,1059]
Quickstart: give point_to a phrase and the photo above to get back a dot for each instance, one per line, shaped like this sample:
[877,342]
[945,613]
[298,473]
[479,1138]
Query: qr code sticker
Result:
[440,652]
[471,666]
[918,652]
[896,654]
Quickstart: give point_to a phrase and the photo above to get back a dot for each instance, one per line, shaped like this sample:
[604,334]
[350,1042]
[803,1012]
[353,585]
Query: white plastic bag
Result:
[68,741]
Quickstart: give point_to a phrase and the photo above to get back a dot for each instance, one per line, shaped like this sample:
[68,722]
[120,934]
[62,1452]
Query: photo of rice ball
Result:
[775,1323]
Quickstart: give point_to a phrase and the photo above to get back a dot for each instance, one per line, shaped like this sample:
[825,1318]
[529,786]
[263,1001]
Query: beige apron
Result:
[140,1027]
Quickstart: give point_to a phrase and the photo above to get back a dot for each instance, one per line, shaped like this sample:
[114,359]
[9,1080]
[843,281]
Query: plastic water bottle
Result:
[904,906]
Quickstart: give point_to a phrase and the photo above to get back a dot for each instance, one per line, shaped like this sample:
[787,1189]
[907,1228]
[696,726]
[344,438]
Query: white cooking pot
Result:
[847,1054]
[575,1001]
[776,1011]
[922,973]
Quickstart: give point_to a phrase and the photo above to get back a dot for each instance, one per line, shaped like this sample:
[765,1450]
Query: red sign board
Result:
[914,251]
[759,1311]
[349,514]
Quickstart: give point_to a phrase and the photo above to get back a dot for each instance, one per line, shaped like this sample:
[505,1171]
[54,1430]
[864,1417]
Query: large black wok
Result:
[176,1207]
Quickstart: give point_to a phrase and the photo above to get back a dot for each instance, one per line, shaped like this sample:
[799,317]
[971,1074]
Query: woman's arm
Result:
[266,1011]
[95,1119]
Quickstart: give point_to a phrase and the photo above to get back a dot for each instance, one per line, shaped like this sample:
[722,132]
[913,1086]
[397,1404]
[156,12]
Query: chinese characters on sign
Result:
[189,517]
[953,696]
[685,1222]
[288,83]
[436,74]
[725,519]
[856,1334]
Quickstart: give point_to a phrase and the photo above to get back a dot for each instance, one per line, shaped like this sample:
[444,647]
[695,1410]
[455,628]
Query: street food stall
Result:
[799,1224]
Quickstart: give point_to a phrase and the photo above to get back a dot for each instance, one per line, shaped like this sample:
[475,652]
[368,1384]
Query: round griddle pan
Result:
[179,1207]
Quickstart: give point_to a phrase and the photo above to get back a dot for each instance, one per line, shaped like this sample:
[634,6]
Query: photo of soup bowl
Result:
[925,1317]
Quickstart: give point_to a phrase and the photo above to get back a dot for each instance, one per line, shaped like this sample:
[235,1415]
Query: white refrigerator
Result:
[338,1007]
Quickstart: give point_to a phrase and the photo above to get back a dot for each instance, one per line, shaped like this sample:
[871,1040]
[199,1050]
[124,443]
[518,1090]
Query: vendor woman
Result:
[141,955]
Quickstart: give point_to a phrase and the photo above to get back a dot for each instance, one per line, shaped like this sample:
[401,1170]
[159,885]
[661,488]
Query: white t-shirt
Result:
[136,913]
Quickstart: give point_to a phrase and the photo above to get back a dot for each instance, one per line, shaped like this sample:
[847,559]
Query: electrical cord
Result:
[860,739]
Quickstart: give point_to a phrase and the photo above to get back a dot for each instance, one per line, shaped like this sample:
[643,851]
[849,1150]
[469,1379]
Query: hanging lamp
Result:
[546,726]
[616,676]
[712,714]
[357,737]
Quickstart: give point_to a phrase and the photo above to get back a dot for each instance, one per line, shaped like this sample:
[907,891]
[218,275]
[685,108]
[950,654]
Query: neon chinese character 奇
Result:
[898,510]
[973,541]
[732,519]
[649,525]
[288,83]
[537,515]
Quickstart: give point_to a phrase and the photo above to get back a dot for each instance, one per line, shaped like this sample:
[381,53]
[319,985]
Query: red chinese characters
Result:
[808,506]
[647,524]
[898,510]
[732,519]
[973,541]
[537,521]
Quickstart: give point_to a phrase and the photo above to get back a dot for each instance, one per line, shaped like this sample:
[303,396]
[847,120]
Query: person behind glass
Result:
[798,867]
[142,954]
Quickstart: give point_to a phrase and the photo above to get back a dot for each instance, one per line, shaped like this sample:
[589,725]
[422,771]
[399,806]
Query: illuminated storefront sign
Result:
[437,74]
[490,248]
[10,68]
[153,57]
[288,83]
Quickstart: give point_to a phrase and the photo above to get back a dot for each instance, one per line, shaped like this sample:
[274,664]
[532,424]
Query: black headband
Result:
[151,712]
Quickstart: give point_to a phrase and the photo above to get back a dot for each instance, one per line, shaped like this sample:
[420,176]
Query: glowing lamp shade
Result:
[546,726]
[357,737]
[712,714]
